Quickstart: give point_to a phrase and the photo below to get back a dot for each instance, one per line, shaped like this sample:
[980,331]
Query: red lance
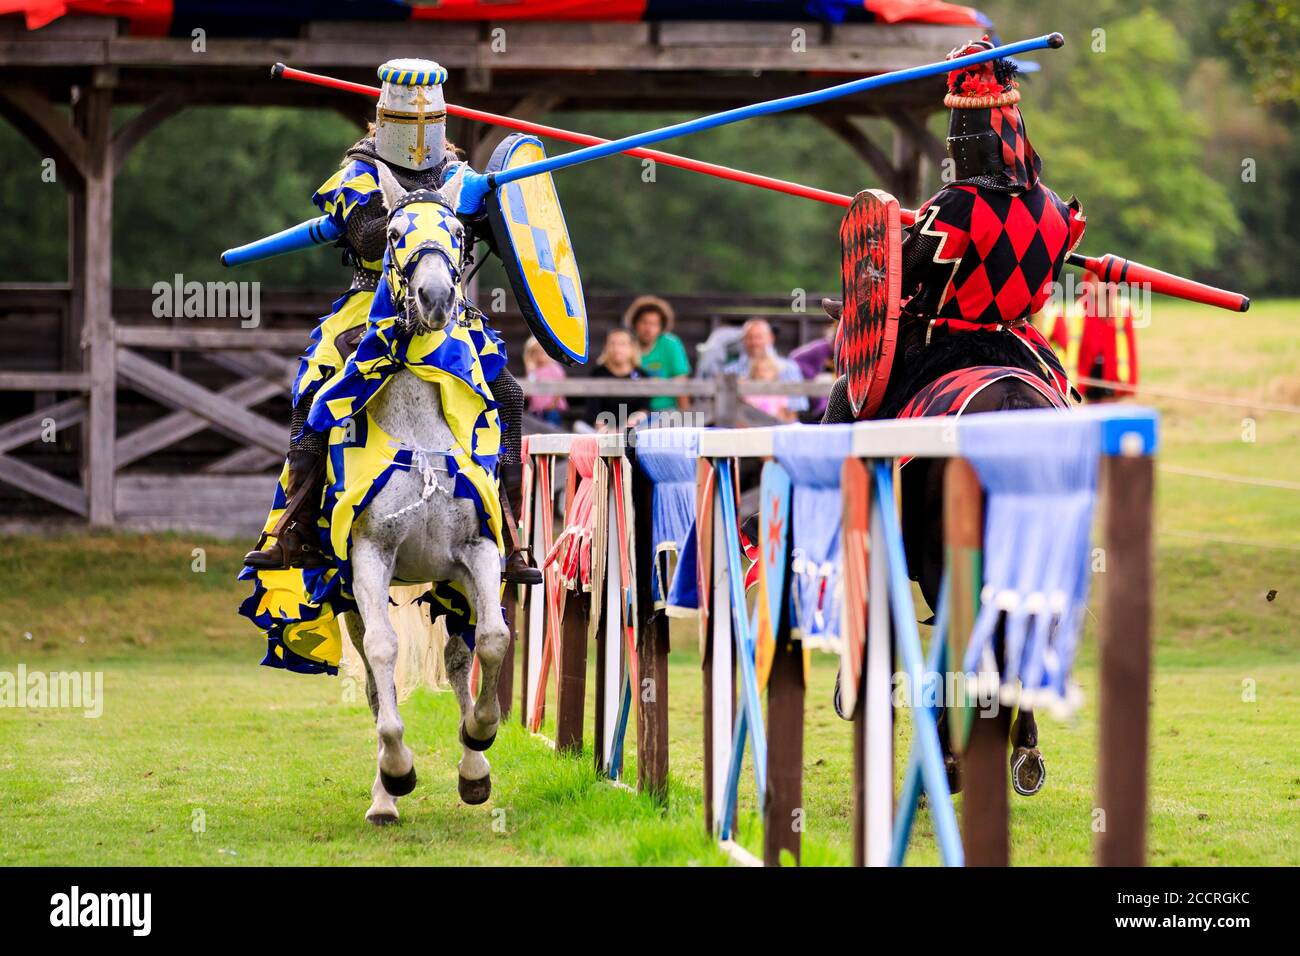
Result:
[1109,267]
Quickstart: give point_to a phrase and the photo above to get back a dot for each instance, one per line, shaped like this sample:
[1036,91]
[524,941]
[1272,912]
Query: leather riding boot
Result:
[519,568]
[294,544]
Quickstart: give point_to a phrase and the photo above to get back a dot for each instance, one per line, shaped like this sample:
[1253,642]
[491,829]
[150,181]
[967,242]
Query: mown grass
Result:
[201,757]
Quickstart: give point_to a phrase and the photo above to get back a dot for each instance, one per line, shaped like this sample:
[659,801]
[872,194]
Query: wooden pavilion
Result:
[159,425]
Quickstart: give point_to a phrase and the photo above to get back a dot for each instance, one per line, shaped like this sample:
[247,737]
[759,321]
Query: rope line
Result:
[1188,396]
[1228,539]
[1237,479]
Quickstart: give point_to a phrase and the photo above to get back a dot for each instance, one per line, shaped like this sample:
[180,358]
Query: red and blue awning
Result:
[263,18]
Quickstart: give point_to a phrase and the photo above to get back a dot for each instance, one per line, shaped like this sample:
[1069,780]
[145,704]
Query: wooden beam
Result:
[907,161]
[915,127]
[181,425]
[47,129]
[94,235]
[42,484]
[259,364]
[222,414]
[44,382]
[23,431]
[528,107]
[130,133]
[244,460]
[165,337]
[861,144]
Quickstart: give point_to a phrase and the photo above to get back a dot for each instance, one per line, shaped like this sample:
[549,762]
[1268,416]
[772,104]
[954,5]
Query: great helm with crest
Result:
[411,118]
[986,133]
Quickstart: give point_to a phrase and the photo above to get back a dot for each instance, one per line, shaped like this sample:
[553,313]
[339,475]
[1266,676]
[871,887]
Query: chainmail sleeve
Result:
[509,395]
[365,230]
[918,256]
[838,409]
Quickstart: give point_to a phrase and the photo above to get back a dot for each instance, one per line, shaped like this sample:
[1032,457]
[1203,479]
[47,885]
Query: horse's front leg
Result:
[481,563]
[372,571]
[475,783]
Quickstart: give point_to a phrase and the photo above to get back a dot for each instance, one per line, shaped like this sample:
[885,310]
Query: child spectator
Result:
[542,368]
[766,368]
[621,360]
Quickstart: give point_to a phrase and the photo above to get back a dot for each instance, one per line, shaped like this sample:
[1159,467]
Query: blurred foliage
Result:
[1150,116]
[1266,34]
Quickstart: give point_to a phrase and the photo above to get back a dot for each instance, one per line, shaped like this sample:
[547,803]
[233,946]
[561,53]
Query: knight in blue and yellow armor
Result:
[409,137]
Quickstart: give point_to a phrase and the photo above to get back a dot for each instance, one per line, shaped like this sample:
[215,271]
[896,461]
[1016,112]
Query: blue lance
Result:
[766,108]
[313,232]
[321,230]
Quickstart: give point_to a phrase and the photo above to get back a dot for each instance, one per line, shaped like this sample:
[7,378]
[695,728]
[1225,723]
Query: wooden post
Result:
[985,807]
[726,402]
[572,691]
[783,813]
[907,162]
[94,255]
[651,649]
[1125,661]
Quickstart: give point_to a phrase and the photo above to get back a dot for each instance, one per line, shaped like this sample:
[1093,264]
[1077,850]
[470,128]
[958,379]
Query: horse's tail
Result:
[419,644]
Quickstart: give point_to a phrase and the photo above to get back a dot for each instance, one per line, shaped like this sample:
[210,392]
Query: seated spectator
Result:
[816,360]
[542,368]
[765,368]
[620,359]
[757,340]
[662,353]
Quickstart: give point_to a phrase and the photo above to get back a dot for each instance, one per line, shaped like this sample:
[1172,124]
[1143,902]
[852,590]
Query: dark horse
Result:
[922,503]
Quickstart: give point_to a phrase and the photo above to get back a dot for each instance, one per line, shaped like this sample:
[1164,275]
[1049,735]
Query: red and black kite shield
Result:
[871,266]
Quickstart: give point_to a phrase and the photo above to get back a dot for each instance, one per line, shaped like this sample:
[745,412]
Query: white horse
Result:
[407,535]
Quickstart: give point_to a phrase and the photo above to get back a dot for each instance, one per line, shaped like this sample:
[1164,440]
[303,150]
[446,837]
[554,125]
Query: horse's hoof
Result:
[474,792]
[1028,772]
[399,786]
[472,744]
[381,818]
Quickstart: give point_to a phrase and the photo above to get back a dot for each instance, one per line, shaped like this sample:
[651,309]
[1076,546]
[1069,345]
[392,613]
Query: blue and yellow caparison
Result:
[299,609]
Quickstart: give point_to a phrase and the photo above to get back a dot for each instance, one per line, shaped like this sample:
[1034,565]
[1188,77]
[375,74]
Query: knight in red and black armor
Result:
[983,253]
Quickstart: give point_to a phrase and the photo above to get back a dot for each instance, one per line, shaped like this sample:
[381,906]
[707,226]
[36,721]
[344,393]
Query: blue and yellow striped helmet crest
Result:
[413,72]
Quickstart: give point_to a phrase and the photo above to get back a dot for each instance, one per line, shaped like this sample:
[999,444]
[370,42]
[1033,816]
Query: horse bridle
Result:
[403,299]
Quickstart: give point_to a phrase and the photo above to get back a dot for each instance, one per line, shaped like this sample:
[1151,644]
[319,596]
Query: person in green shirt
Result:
[662,353]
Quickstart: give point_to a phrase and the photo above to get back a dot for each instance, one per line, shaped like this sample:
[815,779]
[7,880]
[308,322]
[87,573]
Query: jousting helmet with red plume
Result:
[986,133]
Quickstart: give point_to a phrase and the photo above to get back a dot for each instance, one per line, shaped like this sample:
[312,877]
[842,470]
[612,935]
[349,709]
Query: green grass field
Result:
[201,757]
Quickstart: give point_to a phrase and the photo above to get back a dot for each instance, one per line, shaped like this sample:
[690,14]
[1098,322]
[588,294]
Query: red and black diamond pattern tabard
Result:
[1000,251]
[871,267]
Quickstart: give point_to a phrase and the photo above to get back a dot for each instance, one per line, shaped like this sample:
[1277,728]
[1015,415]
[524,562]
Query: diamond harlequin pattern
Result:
[871,270]
[1017,246]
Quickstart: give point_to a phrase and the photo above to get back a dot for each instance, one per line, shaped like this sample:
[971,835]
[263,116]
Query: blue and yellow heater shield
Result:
[533,240]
